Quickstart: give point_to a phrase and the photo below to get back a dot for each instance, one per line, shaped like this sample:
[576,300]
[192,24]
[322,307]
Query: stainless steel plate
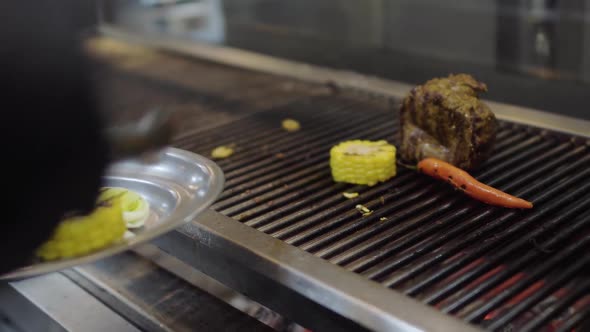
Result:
[179,185]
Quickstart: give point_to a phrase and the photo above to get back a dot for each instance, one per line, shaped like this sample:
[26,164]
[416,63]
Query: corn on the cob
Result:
[81,235]
[363,162]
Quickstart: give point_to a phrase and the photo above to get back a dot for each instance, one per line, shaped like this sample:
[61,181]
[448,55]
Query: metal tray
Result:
[179,185]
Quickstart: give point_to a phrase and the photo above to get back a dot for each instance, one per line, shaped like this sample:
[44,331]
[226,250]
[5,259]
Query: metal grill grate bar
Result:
[383,233]
[350,214]
[250,160]
[562,278]
[490,165]
[574,296]
[474,220]
[524,152]
[530,278]
[482,264]
[430,232]
[560,190]
[497,279]
[481,217]
[324,210]
[428,191]
[252,127]
[281,227]
[265,175]
[349,218]
[571,210]
[264,222]
[577,319]
[274,180]
[334,243]
[317,150]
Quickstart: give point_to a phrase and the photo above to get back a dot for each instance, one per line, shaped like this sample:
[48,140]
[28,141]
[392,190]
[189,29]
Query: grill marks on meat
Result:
[445,119]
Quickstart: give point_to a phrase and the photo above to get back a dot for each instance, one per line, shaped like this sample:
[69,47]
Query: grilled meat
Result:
[445,119]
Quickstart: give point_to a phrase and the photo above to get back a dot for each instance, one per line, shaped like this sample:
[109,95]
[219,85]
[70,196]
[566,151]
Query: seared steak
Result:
[445,119]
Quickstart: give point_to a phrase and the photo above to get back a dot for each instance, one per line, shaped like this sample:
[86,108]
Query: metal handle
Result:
[151,133]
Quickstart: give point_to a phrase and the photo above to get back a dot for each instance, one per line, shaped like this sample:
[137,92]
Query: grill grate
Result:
[498,269]
[492,267]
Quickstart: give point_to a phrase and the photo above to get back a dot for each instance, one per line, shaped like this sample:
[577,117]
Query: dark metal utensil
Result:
[143,138]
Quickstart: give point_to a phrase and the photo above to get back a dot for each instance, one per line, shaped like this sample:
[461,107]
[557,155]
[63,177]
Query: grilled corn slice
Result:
[363,162]
[80,235]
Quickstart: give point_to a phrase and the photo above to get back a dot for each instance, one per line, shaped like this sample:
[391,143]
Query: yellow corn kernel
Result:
[291,125]
[221,152]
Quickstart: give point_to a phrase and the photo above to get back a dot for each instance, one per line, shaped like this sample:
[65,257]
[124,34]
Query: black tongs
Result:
[143,138]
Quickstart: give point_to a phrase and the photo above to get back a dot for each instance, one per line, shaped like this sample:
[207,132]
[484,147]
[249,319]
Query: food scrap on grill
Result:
[363,162]
[291,125]
[445,119]
[365,211]
[222,152]
[463,181]
[350,195]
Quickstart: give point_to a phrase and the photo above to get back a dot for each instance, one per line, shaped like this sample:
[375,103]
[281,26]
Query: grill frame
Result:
[260,267]
[286,268]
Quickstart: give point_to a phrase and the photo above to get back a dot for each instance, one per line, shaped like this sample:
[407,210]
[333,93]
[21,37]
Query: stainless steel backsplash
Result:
[523,49]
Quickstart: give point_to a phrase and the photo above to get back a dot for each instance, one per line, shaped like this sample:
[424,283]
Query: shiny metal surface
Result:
[68,305]
[530,53]
[179,185]
[246,251]
[20,314]
[310,73]
[156,299]
[258,265]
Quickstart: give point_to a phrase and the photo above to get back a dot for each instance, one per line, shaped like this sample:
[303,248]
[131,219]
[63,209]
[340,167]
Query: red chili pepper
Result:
[461,180]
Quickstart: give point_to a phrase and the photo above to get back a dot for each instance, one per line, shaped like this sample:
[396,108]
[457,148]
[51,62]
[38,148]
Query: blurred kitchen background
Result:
[534,53]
